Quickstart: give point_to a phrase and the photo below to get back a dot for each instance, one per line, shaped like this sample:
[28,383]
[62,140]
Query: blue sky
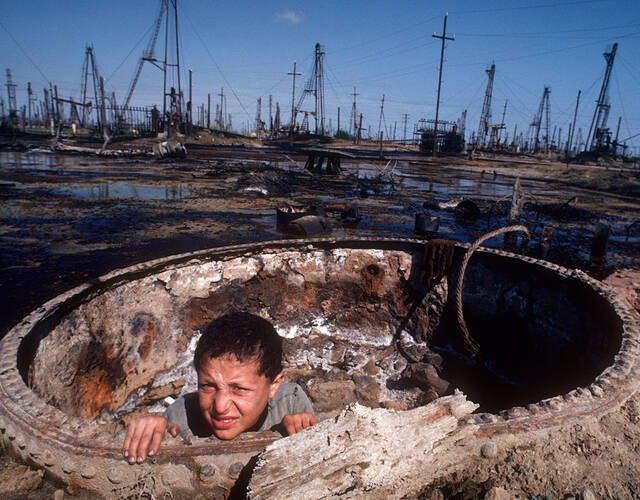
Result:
[380,47]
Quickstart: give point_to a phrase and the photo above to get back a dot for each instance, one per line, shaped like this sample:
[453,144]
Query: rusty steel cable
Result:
[470,343]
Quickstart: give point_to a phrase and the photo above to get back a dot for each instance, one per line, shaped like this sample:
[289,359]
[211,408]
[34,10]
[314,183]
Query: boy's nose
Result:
[221,402]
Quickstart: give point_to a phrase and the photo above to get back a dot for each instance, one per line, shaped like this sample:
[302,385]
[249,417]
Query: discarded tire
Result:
[307,225]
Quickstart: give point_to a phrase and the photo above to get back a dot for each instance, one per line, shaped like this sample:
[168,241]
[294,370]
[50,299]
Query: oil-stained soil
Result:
[66,219]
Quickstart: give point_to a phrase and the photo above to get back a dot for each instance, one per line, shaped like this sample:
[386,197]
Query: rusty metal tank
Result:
[72,370]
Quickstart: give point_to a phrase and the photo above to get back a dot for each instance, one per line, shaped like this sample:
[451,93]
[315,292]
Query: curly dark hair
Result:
[244,336]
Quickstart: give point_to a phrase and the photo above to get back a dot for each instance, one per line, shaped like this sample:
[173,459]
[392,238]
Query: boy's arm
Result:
[300,413]
[144,436]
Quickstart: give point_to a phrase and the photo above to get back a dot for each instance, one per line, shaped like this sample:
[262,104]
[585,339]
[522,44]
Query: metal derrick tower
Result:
[353,120]
[90,68]
[536,124]
[485,116]
[599,137]
[315,87]
[11,97]
[168,12]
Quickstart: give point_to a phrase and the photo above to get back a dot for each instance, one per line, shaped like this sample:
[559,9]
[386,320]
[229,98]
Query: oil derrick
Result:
[353,121]
[315,87]
[599,137]
[11,98]
[461,123]
[536,124]
[147,54]
[220,111]
[259,122]
[495,130]
[175,98]
[90,69]
[276,120]
[485,116]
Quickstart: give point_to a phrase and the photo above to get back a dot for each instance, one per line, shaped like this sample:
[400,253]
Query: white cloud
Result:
[289,16]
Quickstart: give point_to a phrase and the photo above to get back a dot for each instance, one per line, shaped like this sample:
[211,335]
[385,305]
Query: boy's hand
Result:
[145,435]
[297,421]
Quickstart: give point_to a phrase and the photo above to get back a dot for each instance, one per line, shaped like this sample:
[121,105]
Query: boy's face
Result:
[233,394]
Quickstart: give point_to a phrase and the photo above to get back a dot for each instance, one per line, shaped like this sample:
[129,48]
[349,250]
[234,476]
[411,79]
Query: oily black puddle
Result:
[364,320]
[121,190]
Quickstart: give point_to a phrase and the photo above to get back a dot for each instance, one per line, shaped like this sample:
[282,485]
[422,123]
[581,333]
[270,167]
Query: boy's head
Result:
[239,364]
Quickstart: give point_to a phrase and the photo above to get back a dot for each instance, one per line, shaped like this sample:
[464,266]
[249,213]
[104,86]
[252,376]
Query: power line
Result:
[47,80]
[216,65]
[130,52]
[547,33]
[370,41]
[528,7]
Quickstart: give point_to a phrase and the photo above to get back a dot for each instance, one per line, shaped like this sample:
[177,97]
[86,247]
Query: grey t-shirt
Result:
[185,411]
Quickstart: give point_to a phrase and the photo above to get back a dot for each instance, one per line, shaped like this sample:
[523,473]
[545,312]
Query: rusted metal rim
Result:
[45,435]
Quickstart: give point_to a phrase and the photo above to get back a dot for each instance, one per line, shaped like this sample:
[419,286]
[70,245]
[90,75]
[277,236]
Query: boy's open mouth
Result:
[223,423]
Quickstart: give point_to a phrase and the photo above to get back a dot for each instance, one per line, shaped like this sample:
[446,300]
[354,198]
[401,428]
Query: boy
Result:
[238,360]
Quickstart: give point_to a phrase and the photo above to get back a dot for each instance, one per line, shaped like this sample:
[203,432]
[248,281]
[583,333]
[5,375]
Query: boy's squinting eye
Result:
[206,387]
[240,389]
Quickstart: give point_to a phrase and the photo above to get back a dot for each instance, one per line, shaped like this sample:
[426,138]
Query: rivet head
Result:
[207,471]
[48,458]
[235,468]
[11,433]
[20,443]
[116,475]
[89,472]
[67,466]
[596,391]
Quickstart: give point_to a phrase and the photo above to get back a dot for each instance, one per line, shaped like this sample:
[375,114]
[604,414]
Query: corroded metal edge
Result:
[57,442]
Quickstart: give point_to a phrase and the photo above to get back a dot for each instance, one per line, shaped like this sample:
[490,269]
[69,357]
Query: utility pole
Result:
[338,131]
[381,115]
[566,151]
[359,130]
[573,126]
[293,97]
[405,117]
[442,37]
[190,107]
[208,110]
[30,97]
[319,88]
[270,113]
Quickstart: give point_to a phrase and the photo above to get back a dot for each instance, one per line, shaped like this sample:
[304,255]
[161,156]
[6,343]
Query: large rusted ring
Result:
[60,444]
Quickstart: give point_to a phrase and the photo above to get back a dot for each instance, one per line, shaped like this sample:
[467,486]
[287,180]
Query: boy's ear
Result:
[275,385]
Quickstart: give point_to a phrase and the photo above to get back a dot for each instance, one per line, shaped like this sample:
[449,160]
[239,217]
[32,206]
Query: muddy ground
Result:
[69,218]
